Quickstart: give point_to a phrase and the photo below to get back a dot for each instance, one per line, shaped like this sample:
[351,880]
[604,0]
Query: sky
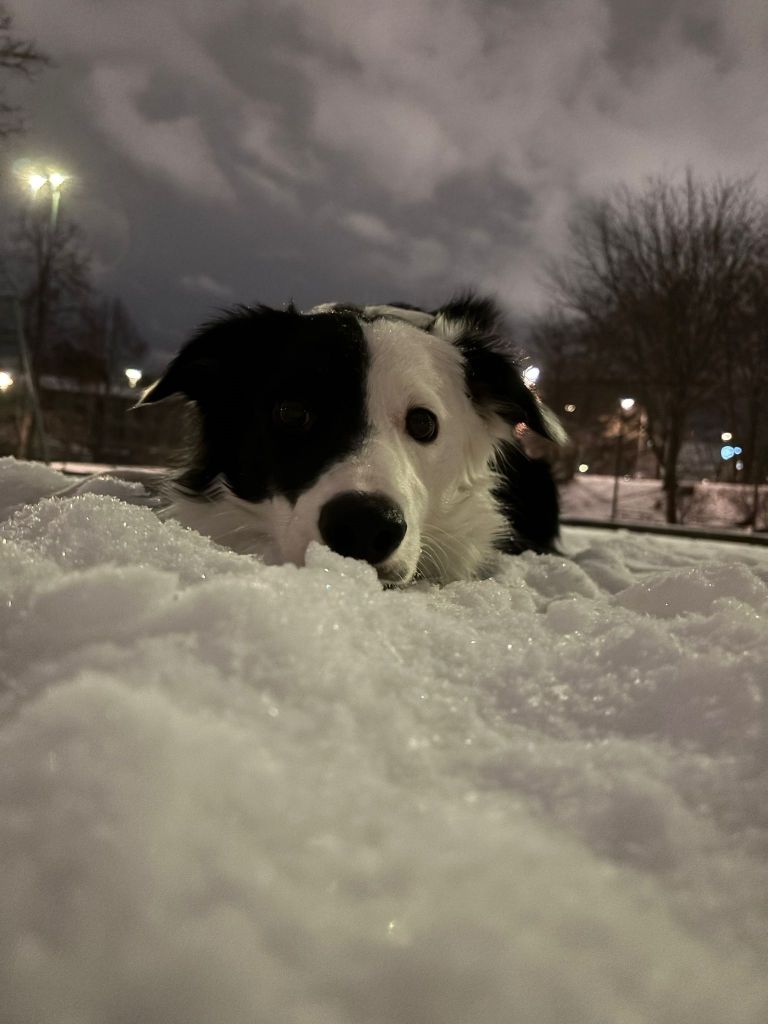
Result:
[234,792]
[349,150]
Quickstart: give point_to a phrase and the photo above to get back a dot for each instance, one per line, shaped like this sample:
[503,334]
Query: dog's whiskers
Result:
[434,559]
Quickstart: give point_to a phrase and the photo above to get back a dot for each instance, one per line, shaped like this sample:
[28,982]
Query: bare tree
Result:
[18,57]
[657,277]
[53,271]
[745,376]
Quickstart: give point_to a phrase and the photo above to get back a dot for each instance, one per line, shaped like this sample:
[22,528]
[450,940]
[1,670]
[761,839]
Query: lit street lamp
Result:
[134,376]
[531,375]
[626,405]
[38,181]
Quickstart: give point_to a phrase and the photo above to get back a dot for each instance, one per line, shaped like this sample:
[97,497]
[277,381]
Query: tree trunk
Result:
[671,456]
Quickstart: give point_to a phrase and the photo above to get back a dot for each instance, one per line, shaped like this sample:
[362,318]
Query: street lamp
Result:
[531,375]
[626,405]
[134,376]
[37,181]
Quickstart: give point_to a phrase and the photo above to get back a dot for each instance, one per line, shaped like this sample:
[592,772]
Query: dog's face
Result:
[359,429]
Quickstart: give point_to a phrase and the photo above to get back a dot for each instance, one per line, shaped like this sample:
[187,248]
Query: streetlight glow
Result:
[627,404]
[37,179]
[6,380]
[530,375]
[134,376]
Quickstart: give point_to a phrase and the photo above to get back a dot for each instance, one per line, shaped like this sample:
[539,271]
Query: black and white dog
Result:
[386,432]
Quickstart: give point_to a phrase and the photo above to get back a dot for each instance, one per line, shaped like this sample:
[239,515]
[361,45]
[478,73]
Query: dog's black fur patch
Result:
[238,369]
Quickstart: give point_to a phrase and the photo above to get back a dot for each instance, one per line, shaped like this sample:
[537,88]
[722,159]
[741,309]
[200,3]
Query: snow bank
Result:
[235,793]
[700,503]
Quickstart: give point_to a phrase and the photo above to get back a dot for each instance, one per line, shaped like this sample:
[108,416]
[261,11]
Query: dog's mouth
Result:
[394,577]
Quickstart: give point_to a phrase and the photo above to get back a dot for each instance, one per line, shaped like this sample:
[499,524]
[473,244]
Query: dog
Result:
[388,433]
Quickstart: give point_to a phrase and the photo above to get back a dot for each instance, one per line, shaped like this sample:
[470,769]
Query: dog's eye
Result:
[291,414]
[421,424]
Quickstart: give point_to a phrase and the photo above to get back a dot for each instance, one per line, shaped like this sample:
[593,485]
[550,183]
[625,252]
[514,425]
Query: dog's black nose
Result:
[360,525]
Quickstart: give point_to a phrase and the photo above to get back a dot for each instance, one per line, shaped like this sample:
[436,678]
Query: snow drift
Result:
[236,793]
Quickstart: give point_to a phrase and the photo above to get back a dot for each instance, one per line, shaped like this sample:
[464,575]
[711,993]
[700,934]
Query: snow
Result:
[240,793]
[701,503]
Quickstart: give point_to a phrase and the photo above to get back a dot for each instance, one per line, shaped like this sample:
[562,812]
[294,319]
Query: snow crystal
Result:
[234,792]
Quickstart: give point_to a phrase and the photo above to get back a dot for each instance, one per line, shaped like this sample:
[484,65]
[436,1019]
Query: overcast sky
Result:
[363,150]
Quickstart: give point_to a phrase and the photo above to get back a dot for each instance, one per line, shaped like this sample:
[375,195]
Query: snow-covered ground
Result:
[701,503]
[233,793]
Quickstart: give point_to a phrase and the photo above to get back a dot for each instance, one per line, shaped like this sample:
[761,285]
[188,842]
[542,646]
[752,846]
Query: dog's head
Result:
[371,429]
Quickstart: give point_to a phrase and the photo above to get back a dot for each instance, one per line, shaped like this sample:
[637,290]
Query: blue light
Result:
[727,452]
[737,450]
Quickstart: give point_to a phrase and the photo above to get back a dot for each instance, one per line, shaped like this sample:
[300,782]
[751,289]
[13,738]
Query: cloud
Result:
[176,148]
[393,138]
[368,227]
[207,285]
[356,148]
[416,95]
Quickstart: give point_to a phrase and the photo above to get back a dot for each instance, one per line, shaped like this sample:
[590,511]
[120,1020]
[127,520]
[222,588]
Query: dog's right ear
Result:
[196,370]
[193,372]
[188,375]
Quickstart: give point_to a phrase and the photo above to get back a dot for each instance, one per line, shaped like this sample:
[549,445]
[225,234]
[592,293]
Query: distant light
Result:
[737,450]
[6,380]
[726,436]
[583,467]
[36,182]
[531,374]
[57,179]
[134,376]
[739,464]
[627,404]
[727,452]
[570,407]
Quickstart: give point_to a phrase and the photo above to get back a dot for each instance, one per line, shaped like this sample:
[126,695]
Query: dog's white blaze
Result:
[443,487]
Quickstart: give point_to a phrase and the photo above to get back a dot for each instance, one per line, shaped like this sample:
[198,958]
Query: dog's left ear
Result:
[495,384]
[493,379]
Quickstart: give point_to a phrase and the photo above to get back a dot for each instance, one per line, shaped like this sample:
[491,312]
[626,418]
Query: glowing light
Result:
[739,465]
[36,179]
[134,376]
[627,404]
[727,452]
[530,375]
[726,436]
[570,407]
[6,380]
[737,450]
[583,467]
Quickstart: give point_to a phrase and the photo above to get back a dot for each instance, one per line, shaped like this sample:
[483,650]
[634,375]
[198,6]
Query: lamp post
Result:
[54,180]
[626,406]
[37,182]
